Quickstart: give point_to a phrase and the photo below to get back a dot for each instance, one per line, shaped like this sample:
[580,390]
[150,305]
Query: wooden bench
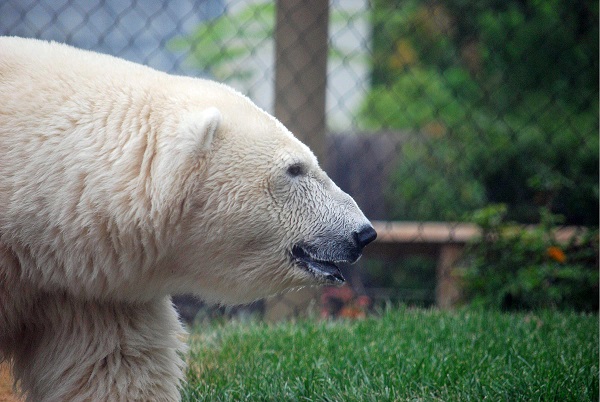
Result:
[444,241]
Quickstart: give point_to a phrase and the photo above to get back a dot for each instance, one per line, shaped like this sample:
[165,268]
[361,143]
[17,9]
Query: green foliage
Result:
[222,46]
[404,355]
[514,268]
[549,46]
[217,47]
[500,103]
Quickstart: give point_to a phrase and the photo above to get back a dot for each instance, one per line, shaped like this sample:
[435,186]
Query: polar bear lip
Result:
[323,270]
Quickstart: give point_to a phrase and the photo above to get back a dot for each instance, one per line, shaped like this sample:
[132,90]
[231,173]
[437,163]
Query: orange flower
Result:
[556,254]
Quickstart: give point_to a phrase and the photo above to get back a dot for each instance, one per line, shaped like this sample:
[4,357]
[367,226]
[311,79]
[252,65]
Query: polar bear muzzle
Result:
[320,258]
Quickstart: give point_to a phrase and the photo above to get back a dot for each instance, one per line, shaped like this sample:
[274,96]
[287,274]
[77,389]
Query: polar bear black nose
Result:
[365,236]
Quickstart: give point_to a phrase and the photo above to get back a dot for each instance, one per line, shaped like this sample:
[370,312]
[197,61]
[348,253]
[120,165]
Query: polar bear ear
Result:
[197,129]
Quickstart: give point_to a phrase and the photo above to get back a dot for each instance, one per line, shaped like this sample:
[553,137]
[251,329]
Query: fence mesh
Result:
[433,109]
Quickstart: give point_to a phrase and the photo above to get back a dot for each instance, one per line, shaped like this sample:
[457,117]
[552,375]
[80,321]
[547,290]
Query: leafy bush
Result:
[510,267]
[502,103]
[222,47]
[436,177]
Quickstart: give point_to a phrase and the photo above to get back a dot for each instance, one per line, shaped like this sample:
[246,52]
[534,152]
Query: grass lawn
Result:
[403,355]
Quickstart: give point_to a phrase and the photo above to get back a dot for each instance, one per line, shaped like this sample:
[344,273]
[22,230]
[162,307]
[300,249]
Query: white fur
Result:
[121,185]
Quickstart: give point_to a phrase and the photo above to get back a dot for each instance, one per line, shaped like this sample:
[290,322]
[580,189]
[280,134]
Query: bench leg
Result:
[447,291]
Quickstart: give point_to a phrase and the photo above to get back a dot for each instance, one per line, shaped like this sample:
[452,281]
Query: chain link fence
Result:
[422,110]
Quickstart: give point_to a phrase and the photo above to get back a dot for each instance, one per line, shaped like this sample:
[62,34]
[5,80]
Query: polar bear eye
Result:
[295,170]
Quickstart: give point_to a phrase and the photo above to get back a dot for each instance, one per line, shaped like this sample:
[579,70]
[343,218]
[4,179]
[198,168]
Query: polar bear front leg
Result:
[81,350]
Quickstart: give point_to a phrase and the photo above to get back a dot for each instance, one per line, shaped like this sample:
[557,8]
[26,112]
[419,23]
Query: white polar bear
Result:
[121,185]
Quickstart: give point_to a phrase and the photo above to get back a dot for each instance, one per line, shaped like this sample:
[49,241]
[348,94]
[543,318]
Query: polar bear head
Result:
[260,215]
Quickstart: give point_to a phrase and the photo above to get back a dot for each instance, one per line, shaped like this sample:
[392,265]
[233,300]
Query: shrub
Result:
[511,268]
[501,99]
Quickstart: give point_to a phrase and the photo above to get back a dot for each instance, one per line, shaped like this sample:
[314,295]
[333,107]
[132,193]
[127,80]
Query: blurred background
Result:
[467,130]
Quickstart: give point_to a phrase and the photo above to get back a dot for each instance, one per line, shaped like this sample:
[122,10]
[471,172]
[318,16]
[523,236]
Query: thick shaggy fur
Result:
[121,185]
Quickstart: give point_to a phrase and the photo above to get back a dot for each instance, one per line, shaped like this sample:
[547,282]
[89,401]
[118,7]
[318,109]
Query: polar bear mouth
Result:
[320,269]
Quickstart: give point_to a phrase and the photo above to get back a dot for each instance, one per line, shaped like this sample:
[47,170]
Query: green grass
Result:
[404,355]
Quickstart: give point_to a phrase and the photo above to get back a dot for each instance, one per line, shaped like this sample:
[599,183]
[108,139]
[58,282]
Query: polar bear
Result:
[120,186]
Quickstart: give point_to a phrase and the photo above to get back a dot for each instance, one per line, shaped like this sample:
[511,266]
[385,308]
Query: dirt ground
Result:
[6,386]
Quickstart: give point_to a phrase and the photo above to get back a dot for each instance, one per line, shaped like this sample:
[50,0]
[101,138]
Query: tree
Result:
[503,99]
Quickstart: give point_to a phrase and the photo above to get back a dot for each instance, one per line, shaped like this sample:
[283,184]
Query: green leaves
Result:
[511,267]
[499,104]
[219,47]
